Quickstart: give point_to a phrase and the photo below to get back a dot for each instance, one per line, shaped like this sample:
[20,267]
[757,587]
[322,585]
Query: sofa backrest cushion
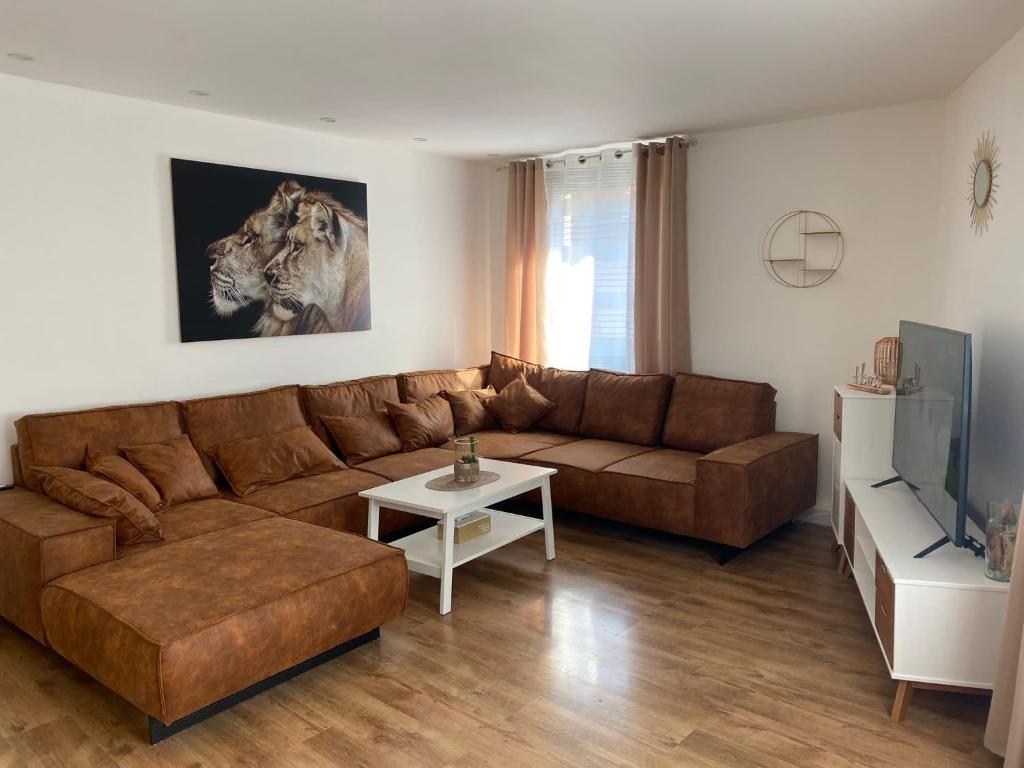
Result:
[419,385]
[61,439]
[625,407]
[566,389]
[707,413]
[347,398]
[211,421]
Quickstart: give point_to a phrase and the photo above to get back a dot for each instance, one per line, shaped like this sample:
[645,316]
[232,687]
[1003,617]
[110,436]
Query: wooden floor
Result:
[631,649]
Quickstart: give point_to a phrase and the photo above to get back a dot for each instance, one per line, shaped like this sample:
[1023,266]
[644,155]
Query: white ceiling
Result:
[511,77]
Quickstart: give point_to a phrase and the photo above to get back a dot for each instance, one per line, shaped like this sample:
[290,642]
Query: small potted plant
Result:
[467,463]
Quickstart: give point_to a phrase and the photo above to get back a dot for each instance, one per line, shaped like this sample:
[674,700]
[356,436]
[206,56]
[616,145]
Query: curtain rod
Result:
[687,141]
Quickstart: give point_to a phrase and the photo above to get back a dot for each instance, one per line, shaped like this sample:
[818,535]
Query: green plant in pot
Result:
[467,463]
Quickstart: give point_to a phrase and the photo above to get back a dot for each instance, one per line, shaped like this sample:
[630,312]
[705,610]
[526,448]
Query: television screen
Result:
[932,431]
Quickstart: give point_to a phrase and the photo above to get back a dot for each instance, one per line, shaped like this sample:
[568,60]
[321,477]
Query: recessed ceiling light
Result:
[18,56]
[418,138]
[197,92]
[328,120]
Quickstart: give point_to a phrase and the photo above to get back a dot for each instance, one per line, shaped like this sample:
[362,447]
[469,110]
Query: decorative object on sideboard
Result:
[802,249]
[869,383]
[984,168]
[910,385]
[1001,539]
[888,356]
[467,463]
[262,253]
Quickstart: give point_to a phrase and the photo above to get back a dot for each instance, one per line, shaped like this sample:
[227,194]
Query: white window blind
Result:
[590,272]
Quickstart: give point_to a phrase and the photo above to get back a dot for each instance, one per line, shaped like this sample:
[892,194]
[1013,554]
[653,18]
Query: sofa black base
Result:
[158,731]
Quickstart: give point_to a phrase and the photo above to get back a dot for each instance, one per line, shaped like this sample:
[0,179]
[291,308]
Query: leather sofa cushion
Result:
[402,465]
[60,439]
[419,385]
[230,620]
[626,407]
[252,463]
[211,421]
[120,471]
[587,454]
[495,444]
[197,518]
[422,424]
[175,468]
[518,406]
[566,389]
[707,413]
[666,464]
[364,436]
[347,398]
[101,498]
[293,495]
[468,411]
[655,490]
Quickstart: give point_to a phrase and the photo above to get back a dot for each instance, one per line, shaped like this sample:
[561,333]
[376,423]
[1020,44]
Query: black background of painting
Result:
[210,202]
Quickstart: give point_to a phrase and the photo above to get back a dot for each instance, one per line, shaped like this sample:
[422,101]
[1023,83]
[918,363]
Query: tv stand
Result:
[938,620]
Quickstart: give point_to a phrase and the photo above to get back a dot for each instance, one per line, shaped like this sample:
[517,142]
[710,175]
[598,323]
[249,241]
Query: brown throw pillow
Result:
[519,405]
[101,498]
[422,424]
[175,468]
[707,413]
[363,437]
[120,471]
[252,463]
[468,411]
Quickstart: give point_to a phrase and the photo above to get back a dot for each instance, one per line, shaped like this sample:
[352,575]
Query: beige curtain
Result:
[526,251]
[1005,733]
[661,311]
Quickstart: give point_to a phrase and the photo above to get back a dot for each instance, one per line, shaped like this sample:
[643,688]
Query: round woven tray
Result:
[447,482]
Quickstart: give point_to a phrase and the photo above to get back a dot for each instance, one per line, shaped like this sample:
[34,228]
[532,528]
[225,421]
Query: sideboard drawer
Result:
[837,418]
[885,607]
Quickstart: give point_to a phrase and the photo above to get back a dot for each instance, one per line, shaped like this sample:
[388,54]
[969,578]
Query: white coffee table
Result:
[426,554]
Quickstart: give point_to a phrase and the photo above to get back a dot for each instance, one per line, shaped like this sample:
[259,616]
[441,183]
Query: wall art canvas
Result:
[263,253]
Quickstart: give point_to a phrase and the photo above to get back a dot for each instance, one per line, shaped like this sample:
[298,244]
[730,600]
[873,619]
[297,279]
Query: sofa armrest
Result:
[749,489]
[40,540]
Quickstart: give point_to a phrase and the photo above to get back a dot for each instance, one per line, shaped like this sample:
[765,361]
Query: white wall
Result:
[876,172]
[984,274]
[89,312]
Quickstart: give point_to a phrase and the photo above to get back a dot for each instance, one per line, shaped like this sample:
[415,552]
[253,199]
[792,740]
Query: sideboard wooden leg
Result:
[904,693]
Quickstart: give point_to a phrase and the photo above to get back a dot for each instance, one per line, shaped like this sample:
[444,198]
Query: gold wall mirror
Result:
[983,182]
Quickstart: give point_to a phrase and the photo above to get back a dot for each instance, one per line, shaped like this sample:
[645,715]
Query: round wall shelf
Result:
[802,249]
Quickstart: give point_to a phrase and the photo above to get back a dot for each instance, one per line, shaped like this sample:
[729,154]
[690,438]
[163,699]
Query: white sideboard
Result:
[938,619]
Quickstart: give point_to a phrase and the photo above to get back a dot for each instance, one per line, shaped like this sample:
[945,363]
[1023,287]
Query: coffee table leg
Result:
[447,557]
[549,525]
[373,520]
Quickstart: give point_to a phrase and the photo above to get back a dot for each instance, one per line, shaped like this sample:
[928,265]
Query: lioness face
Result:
[306,268]
[238,260]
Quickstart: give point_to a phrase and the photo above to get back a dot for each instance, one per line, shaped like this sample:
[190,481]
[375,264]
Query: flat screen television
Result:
[932,431]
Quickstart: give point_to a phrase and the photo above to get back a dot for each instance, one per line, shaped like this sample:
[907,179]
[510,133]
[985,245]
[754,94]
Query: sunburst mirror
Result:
[983,185]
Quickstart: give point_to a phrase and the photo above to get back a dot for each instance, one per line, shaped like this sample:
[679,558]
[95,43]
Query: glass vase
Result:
[467,463]
[1001,539]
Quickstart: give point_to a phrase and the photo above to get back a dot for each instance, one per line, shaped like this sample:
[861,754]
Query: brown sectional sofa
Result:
[243,590]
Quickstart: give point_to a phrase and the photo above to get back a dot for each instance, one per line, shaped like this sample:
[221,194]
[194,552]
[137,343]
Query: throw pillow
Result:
[250,464]
[363,437]
[120,471]
[101,498]
[175,468]
[468,411]
[518,406]
[422,424]
[707,413]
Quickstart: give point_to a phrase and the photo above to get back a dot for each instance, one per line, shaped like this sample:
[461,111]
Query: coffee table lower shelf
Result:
[424,551]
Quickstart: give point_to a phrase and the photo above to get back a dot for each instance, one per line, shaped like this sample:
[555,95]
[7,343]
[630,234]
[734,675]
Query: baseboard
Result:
[816,515]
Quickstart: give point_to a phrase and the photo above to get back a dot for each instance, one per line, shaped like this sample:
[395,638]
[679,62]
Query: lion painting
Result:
[319,281]
[296,260]
[238,260]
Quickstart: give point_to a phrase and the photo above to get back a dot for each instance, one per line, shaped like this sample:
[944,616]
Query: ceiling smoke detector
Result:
[18,56]
[198,92]
[328,120]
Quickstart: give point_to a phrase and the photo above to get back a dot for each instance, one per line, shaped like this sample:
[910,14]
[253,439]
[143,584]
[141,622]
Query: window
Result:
[589,280]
